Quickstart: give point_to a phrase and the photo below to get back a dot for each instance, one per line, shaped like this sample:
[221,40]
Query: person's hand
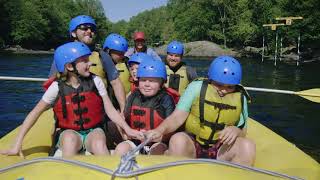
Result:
[132,133]
[122,114]
[122,133]
[16,150]
[229,134]
[155,135]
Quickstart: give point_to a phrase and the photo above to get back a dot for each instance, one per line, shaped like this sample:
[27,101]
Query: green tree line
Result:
[43,24]
[231,23]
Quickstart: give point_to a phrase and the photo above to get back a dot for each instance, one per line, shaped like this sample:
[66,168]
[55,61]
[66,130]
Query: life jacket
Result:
[133,85]
[81,108]
[48,82]
[210,113]
[124,76]
[97,67]
[144,113]
[177,80]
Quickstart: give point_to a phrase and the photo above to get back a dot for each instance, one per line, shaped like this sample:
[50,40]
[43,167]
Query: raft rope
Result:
[144,170]
[128,166]
[128,161]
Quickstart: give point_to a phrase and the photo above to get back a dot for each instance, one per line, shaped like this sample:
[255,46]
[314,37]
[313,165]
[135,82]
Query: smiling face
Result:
[133,68]
[173,60]
[149,86]
[82,65]
[84,33]
[139,44]
[223,89]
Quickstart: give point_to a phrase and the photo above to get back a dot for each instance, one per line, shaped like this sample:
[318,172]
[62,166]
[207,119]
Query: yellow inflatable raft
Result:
[276,159]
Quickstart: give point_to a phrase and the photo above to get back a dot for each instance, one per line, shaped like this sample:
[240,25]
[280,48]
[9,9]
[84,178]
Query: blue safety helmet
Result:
[138,58]
[81,19]
[225,70]
[150,67]
[175,47]
[116,42]
[68,53]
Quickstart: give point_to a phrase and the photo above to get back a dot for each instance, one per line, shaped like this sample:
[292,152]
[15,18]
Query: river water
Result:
[292,117]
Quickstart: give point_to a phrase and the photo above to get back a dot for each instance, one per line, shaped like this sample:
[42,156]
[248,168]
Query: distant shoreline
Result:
[196,49]
[20,50]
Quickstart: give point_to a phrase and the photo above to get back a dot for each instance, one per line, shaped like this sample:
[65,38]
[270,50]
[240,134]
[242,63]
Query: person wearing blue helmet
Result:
[133,63]
[116,45]
[214,112]
[141,46]
[179,74]
[80,101]
[148,105]
[83,29]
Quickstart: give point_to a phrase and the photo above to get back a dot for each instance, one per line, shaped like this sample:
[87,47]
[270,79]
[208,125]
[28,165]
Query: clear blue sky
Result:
[117,10]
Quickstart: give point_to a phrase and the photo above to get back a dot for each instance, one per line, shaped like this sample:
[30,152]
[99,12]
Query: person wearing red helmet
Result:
[140,46]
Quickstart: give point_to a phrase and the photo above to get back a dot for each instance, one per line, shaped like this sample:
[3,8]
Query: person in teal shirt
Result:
[215,114]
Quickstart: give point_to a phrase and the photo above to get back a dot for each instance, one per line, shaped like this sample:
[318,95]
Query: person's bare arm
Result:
[169,125]
[119,92]
[116,117]
[29,121]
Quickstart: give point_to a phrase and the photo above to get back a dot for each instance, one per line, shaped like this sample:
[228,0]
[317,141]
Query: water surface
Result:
[292,117]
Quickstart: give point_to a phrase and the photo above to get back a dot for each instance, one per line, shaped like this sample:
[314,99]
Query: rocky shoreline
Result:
[19,50]
[201,49]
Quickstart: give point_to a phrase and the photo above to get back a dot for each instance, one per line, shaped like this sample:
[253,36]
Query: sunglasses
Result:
[85,27]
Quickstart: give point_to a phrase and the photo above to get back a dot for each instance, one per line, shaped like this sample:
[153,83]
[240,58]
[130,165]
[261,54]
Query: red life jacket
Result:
[133,86]
[48,82]
[174,94]
[81,108]
[144,113]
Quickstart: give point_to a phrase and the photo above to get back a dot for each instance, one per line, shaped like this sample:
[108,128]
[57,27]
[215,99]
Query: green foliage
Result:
[238,23]
[43,24]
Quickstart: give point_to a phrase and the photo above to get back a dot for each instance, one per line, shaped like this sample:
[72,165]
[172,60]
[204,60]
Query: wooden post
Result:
[289,21]
[274,28]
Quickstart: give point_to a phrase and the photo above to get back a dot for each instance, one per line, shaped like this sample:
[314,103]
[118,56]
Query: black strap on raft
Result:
[55,137]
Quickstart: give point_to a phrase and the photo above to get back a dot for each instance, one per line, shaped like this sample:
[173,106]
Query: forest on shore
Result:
[43,24]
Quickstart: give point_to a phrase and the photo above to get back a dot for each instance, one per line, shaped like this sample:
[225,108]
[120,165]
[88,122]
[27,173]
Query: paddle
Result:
[310,94]
[22,78]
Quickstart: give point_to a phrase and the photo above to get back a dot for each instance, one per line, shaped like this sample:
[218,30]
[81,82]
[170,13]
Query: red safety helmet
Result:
[138,35]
